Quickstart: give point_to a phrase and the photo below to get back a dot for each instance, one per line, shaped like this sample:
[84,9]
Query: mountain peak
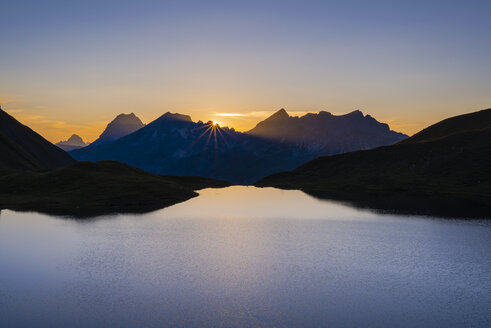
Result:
[127,119]
[176,117]
[279,115]
[74,140]
[356,112]
[121,126]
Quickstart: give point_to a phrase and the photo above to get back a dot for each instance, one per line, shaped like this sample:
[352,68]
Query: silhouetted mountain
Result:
[21,148]
[121,126]
[74,142]
[174,144]
[444,169]
[325,134]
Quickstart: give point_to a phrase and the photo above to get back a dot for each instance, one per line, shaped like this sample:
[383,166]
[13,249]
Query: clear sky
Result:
[71,66]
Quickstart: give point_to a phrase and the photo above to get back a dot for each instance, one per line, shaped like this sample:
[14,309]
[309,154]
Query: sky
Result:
[71,66]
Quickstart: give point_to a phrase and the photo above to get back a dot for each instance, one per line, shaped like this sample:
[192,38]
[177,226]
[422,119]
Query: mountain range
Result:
[325,133]
[445,168]
[173,144]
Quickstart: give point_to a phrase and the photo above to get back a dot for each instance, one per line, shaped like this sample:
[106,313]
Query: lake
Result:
[245,257]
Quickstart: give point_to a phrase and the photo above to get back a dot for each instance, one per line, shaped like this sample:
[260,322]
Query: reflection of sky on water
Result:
[244,257]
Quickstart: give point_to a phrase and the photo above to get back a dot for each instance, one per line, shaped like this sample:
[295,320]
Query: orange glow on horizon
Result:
[57,130]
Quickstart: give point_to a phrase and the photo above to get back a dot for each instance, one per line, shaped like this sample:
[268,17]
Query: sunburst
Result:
[212,131]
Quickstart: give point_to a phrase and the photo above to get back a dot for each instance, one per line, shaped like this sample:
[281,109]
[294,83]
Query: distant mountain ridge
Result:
[325,133]
[74,142]
[23,149]
[121,126]
[174,144]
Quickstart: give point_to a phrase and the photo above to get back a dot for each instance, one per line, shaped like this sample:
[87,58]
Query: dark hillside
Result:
[21,148]
[90,189]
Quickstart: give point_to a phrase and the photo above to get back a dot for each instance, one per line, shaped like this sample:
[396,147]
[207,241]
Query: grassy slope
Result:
[90,189]
[445,169]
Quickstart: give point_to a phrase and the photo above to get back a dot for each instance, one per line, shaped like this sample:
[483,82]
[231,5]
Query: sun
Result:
[215,123]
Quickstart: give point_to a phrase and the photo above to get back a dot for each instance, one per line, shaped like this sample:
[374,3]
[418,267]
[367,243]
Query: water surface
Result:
[245,257]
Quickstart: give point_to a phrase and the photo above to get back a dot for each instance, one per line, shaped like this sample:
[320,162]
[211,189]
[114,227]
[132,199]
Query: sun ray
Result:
[215,137]
[207,126]
[223,137]
[212,129]
[198,138]
[209,137]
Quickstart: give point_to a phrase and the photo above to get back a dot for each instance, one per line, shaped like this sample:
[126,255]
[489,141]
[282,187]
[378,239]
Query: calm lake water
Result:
[245,257]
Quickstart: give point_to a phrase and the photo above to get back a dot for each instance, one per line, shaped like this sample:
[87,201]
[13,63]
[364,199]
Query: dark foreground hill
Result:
[445,169]
[90,189]
[22,149]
